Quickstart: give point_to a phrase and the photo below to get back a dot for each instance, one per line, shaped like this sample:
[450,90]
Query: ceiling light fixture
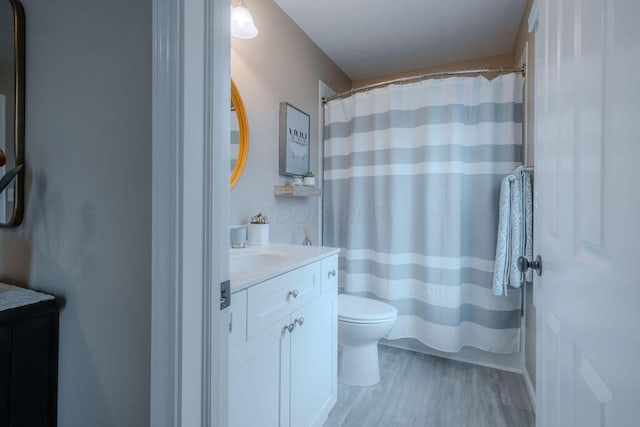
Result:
[242,25]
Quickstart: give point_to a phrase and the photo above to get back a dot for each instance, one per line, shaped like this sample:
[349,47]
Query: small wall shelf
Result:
[296,191]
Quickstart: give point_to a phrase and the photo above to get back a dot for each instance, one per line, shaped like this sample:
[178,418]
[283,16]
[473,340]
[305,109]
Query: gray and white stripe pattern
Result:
[411,178]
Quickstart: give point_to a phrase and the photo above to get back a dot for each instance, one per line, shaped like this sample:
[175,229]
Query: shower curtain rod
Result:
[501,70]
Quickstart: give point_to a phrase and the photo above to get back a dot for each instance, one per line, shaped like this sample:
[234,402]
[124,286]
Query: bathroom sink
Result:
[252,261]
[257,263]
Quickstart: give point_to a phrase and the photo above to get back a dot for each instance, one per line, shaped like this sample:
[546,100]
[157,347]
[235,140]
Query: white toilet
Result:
[361,323]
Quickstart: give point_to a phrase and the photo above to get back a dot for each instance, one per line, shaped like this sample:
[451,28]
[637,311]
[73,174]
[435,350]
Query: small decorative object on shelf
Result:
[306,241]
[258,230]
[297,180]
[310,179]
[296,191]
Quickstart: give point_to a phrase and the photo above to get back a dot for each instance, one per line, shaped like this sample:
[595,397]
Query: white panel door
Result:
[587,207]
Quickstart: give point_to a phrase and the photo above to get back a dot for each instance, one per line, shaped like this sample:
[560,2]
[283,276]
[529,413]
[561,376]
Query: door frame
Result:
[190,200]
[533,25]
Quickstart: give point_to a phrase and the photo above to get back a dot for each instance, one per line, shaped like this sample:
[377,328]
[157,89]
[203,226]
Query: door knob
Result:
[524,264]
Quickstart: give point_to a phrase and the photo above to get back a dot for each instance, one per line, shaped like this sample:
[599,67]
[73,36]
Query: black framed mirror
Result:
[12,110]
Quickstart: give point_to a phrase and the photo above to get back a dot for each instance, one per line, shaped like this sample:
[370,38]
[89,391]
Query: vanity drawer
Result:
[269,301]
[330,274]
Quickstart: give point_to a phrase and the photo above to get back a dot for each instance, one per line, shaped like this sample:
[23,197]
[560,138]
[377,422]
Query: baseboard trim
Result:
[530,388]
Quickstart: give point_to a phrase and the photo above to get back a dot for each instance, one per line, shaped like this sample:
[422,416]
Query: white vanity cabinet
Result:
[283,365]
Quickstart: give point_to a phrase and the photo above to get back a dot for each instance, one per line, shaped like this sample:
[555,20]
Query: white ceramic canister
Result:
[258,234]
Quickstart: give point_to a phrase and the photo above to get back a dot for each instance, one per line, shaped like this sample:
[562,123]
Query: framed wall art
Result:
[294,140]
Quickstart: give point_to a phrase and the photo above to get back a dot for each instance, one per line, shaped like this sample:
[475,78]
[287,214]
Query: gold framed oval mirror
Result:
[239,135]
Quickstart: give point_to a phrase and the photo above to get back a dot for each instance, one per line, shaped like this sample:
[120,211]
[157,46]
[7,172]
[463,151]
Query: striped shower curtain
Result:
[412,178]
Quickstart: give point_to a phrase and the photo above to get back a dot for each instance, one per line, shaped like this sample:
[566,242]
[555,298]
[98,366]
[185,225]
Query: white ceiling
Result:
[374,38]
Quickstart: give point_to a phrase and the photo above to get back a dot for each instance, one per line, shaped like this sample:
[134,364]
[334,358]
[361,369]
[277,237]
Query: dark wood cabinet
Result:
[28,362]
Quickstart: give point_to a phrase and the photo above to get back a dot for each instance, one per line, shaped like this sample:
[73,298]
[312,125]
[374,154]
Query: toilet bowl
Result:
[361,324]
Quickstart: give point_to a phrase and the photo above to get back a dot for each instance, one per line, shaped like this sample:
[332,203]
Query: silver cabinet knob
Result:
[291,326]
[332,273]
[293,293]
[524,264]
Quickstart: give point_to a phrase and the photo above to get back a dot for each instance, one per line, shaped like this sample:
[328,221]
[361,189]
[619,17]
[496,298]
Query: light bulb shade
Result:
[242,25]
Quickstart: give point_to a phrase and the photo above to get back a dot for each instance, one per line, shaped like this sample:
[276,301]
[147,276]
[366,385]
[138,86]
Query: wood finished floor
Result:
[421,390]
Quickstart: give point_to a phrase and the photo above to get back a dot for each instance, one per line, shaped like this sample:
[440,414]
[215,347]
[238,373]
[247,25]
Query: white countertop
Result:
[293,256]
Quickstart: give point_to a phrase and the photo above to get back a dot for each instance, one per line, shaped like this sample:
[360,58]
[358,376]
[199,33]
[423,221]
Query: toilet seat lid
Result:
[357,309]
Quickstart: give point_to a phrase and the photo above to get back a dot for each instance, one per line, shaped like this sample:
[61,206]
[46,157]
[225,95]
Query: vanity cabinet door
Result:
[314,361]
[259,373]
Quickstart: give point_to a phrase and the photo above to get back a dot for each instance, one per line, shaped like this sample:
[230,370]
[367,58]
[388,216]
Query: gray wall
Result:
[86,236]
[281,64]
